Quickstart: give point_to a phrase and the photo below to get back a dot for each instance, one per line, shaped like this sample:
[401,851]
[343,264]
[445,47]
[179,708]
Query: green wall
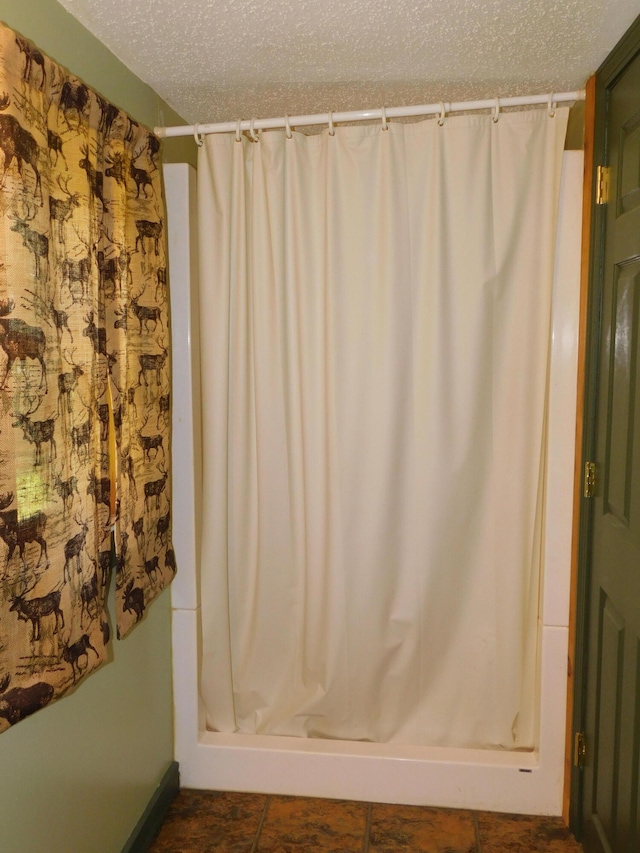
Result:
[77,776]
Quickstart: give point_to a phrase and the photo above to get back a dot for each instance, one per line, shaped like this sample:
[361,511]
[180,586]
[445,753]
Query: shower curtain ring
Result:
[496,112]
[332,131]
[238,131]
[552,106]
[385,126]
[287,127]
[443,114]
[196,135]
[252,132]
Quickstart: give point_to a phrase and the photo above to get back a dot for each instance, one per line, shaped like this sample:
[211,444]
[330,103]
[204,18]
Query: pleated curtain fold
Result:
[375,311]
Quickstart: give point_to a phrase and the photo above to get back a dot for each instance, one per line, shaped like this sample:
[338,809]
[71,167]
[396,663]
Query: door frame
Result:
[593,234]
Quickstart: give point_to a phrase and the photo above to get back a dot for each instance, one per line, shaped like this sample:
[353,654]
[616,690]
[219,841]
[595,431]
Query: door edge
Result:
[598,87]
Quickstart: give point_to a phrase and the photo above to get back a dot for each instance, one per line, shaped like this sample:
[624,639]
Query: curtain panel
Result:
[84,377]
[375,334]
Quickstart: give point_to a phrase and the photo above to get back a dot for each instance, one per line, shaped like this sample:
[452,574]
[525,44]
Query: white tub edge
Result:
[526,783]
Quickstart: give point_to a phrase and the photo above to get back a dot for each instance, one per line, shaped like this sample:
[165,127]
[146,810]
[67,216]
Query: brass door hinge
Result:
[603,175]
[579,750]
[589,479]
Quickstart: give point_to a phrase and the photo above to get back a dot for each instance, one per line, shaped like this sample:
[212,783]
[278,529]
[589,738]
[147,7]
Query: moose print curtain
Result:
[84,377]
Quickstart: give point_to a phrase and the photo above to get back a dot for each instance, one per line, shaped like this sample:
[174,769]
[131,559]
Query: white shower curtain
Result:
[375,316]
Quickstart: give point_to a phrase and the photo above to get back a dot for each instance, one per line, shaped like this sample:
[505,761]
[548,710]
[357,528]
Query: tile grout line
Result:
[263,816]
[367,829]
[477,829]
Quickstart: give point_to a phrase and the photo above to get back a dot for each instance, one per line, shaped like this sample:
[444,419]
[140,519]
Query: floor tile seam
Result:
[263,817]
[367,829]
[476,825]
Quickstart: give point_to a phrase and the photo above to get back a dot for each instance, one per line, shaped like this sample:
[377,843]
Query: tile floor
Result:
[217,822]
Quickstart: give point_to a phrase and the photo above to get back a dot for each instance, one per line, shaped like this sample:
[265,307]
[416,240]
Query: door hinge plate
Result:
[603,176]
[589,479]
[579,749]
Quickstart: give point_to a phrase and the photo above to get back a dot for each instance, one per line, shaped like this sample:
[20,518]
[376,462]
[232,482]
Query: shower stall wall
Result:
[524,782]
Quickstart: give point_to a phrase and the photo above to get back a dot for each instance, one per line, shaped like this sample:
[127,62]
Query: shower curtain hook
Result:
[332,131]
[552,106]
[385,126]
[443,114]
[252,132]
[287,127]
[496,112]
[238,131]
[196,135]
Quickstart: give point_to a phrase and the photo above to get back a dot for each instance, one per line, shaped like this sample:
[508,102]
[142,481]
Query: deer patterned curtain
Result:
[84,377]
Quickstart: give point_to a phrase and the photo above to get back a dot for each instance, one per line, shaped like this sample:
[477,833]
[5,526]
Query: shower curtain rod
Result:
[441,108]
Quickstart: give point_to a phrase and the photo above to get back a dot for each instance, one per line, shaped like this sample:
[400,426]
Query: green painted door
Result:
[612,711]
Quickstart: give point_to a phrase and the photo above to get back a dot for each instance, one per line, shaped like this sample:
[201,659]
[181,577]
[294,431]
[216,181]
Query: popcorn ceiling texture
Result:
[218,60]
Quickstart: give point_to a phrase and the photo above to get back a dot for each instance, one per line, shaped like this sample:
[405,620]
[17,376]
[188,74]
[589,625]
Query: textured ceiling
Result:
[217,60]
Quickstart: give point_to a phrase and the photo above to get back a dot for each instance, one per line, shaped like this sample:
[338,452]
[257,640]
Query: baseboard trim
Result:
[147,827]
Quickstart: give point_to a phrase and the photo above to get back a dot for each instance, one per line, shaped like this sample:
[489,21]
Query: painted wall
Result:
[76,777]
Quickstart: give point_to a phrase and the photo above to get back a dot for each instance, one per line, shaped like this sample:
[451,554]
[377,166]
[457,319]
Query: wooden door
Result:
[610,795]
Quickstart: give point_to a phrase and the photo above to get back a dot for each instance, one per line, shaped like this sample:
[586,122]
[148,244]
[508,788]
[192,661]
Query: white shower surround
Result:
[519,782]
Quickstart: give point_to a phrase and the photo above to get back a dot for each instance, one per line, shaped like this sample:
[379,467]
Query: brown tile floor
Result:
[217,822]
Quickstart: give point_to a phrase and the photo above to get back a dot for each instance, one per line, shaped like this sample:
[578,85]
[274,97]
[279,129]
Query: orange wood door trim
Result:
[589,136]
